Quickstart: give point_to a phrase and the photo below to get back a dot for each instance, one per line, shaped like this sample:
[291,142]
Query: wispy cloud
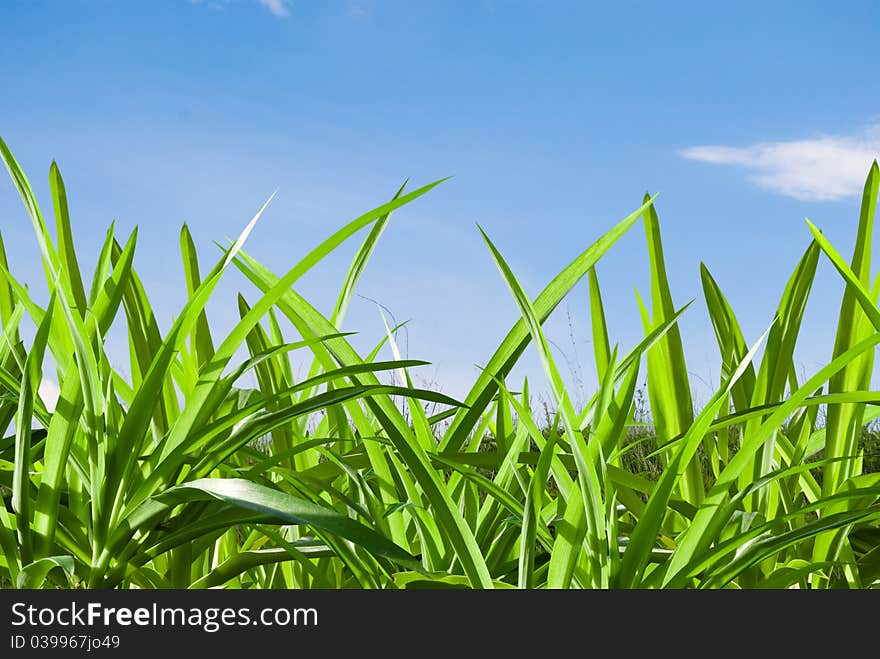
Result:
[277,7]
[824,168]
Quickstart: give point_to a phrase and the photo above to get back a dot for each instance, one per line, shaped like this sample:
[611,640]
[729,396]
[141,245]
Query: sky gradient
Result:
[553,119]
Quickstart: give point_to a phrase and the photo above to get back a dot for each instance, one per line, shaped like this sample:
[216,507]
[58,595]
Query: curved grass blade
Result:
[34,575]
[251,496]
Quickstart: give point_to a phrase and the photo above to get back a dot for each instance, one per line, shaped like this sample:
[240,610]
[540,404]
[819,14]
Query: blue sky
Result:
[553,119]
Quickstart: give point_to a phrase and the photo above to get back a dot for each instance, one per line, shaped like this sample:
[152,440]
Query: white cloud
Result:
[277,7]
[825,168]
[49,393]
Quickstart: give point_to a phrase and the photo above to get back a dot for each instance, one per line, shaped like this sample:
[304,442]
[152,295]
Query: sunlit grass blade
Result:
[672,407]
[66,252]
[22,502]
[601,348]
[201,335]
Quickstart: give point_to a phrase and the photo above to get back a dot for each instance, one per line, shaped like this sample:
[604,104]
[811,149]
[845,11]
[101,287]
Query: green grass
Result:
[179,474]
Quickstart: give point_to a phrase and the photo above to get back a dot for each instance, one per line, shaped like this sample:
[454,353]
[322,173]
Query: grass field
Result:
[178,474]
